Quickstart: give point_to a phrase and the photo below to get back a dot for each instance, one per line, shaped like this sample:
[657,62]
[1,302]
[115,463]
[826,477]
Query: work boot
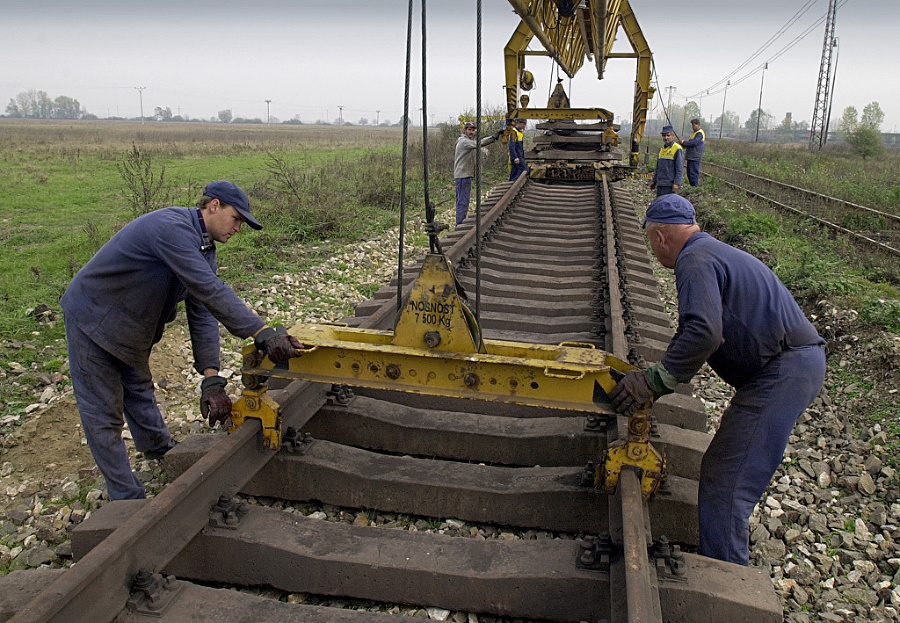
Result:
[155,455]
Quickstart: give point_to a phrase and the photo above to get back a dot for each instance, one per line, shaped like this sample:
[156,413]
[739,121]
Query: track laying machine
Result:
[576,143]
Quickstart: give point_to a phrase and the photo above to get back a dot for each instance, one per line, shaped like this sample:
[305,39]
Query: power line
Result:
[713,90]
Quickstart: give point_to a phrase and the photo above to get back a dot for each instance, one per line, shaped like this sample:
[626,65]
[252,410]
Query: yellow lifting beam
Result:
[436,348]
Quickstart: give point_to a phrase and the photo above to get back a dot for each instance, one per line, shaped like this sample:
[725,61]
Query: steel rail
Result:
[97,588]
[642,595]
[894,219]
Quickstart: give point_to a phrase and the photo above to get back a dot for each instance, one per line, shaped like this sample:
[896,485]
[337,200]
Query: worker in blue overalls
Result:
[517,164]
[693,152]
[734,314]
[117,306]
[669,172]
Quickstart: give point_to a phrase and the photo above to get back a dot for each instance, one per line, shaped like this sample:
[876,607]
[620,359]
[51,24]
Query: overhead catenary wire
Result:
[716,87]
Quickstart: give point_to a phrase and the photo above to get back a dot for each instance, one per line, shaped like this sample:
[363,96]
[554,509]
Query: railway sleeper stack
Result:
[543,279]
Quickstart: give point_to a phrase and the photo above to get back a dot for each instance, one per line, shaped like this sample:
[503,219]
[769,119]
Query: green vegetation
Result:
[810,264]
[67,187]
[837,171]
[864,135]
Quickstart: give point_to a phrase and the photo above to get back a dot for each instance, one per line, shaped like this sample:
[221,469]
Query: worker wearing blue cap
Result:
[669,172]
[735,315]
[116,309]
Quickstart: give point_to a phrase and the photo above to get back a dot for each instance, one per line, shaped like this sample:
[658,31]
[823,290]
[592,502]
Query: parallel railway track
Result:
[868,228]
[558,264]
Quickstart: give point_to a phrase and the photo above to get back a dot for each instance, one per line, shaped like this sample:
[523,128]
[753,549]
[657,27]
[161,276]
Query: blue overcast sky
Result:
[310,58]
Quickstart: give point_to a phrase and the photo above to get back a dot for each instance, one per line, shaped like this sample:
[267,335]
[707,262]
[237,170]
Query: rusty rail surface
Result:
[558,263]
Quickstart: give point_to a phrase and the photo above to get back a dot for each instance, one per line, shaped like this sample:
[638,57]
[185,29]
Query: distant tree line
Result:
[861,133]
[38,105]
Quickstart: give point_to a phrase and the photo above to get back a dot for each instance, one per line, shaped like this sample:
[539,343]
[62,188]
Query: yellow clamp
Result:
[637,452]
[256,403]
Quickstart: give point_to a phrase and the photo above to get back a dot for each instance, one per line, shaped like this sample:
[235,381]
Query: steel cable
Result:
[405,156]
[478,164]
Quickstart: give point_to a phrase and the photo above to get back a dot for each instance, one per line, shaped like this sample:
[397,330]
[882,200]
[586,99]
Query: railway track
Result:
[868,228]
[563,263]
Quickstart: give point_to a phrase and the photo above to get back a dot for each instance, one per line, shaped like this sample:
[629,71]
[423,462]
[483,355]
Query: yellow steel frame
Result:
[568,376]
[590,33]
[436,348]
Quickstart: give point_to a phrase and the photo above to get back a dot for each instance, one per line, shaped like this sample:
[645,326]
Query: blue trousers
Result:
[749,446]
[693,172]
[664,190]
[463,192]
[109,392]
[515,170]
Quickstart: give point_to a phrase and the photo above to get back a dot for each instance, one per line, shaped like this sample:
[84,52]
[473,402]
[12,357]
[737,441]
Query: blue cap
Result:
[671,208]
[229,193]
[667,128]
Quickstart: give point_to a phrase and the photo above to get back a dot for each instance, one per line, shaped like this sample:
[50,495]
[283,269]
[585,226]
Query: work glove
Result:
[435,227]
[632,393]
[214,402]
[278,344]
[497,135]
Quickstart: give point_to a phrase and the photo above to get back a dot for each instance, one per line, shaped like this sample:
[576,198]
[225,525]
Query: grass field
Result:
[315,188]
[837,172]
[63,194]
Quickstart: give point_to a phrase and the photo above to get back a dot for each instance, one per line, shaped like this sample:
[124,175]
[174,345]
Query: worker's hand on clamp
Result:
[214,402]
[435,227]
[277,344]
[632,393]
[497,134]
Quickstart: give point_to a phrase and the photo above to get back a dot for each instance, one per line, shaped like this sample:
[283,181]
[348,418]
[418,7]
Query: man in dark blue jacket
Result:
[667,176]
[517,164]
[116,309]
[734,314]
[693,152]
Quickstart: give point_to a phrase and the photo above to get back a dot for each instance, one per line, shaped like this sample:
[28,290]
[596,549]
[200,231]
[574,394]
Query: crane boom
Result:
[571,33]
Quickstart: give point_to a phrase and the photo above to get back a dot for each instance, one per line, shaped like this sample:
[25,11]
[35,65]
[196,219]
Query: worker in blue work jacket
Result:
[693,152]
[734,314]
[667,176]
[117,306]
[517,164]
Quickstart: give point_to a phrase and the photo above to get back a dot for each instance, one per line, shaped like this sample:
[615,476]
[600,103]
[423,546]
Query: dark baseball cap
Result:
[667,128]
[228,192]
[469,124]
[671,208]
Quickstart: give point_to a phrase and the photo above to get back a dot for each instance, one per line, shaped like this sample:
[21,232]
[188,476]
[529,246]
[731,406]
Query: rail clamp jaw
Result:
[256,403]
[635,452]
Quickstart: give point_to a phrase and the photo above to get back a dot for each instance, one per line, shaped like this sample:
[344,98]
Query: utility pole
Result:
[340,115]
[140,91]
[267,111]
[669,105]
[722,118]
[817,127]
[837,50]
[759,108]
[377,117]
[683,116]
